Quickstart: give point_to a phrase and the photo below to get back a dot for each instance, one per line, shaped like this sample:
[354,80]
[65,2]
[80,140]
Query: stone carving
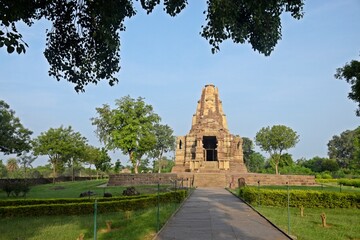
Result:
[209,146]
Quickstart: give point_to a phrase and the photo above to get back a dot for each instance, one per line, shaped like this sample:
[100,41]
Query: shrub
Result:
[299,198]
[17,188]
[350,182]
[86,206]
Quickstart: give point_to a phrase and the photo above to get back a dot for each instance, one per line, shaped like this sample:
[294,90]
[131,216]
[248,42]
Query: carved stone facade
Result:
[209,147]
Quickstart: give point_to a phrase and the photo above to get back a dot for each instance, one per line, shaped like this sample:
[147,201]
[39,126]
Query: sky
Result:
[166,61]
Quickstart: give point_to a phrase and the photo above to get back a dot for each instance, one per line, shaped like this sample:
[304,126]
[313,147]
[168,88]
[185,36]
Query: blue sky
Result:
[166,61]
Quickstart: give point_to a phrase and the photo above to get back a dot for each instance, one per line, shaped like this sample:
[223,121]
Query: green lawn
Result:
[342,223]
[140,225]
[73,189]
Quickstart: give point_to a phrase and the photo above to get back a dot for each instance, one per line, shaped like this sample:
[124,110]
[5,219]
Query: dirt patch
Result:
[57,188]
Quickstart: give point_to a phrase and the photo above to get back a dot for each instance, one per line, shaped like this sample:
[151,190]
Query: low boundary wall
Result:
[210,179]
[127,179]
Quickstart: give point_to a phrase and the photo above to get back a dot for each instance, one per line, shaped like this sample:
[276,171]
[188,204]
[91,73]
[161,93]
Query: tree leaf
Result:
[10,49]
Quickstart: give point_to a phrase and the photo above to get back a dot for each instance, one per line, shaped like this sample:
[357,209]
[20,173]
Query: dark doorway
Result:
[210,144]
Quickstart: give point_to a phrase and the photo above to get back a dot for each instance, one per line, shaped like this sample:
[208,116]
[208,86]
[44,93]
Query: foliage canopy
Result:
[14,137]
[129,127]
[83,44]
[351,74]
[275,140]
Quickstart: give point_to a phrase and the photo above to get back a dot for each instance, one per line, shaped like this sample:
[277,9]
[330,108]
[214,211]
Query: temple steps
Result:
[210,180]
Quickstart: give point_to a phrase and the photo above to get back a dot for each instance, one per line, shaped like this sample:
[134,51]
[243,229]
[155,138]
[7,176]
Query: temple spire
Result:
[209,111]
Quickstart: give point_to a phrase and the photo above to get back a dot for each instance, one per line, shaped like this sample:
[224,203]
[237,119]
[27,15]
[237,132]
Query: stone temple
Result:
[209,147]
[209,155]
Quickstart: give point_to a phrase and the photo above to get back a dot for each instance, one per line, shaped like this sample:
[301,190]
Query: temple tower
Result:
[209,147]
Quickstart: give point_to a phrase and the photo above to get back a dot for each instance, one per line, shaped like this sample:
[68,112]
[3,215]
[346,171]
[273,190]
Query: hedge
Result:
[78,208]
[306,198]
[24,202]
[350,182]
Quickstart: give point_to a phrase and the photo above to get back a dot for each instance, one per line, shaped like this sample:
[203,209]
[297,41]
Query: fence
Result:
[93,216]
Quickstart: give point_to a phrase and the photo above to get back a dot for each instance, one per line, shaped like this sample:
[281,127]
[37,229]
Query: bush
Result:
[350,182]
[86,206]
[311,199]
[16,188]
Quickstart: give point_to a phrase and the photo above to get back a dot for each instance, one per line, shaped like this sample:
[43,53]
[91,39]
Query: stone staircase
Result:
[210,180]
[210,167]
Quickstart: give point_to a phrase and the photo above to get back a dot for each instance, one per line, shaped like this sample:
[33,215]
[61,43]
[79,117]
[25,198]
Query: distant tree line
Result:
[135,129]
[343,158]
[132,127]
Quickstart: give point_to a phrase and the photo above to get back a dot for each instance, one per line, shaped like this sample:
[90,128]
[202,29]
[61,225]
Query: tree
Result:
[99,157]
[344,148]
[84,43]
[118,167]
[14,138]
[60,144]
[248,149]
[256,162]
[3,170]
[129,127]
[25,161]
[164,163]
[75,150]
[165,142]
[351,74]
[12,165]
[12,168]
[275,140]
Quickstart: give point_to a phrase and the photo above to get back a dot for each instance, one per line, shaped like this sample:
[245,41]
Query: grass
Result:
[141,224]
[342,223]
[73,190]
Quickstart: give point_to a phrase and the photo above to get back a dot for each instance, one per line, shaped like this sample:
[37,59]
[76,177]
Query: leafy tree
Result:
[129,127]
[14,138]
[164,163]
[59,145]
[344,148]
[351,74]
[165,142]
[314,164]
[286,160]
[3,170]
[330,165]
[118,166]
[255,162]
[248,149]
[25,161]
[12,165]
[275,140]
[355,164]
[99,158]
[43,171]
[75,151]
[104,162]
[84,43]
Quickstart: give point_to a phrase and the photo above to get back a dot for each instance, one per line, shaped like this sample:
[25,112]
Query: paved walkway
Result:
[214,213]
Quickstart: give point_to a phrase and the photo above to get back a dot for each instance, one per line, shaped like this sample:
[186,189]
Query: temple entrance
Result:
[210,145]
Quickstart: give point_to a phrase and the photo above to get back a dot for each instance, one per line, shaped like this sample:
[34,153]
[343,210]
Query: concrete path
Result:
[214,213]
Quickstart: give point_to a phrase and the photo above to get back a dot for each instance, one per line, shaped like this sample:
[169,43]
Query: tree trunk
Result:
[276,168]
[54,171]
[134,162]
[72,170]
[159,161]
[90,171]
